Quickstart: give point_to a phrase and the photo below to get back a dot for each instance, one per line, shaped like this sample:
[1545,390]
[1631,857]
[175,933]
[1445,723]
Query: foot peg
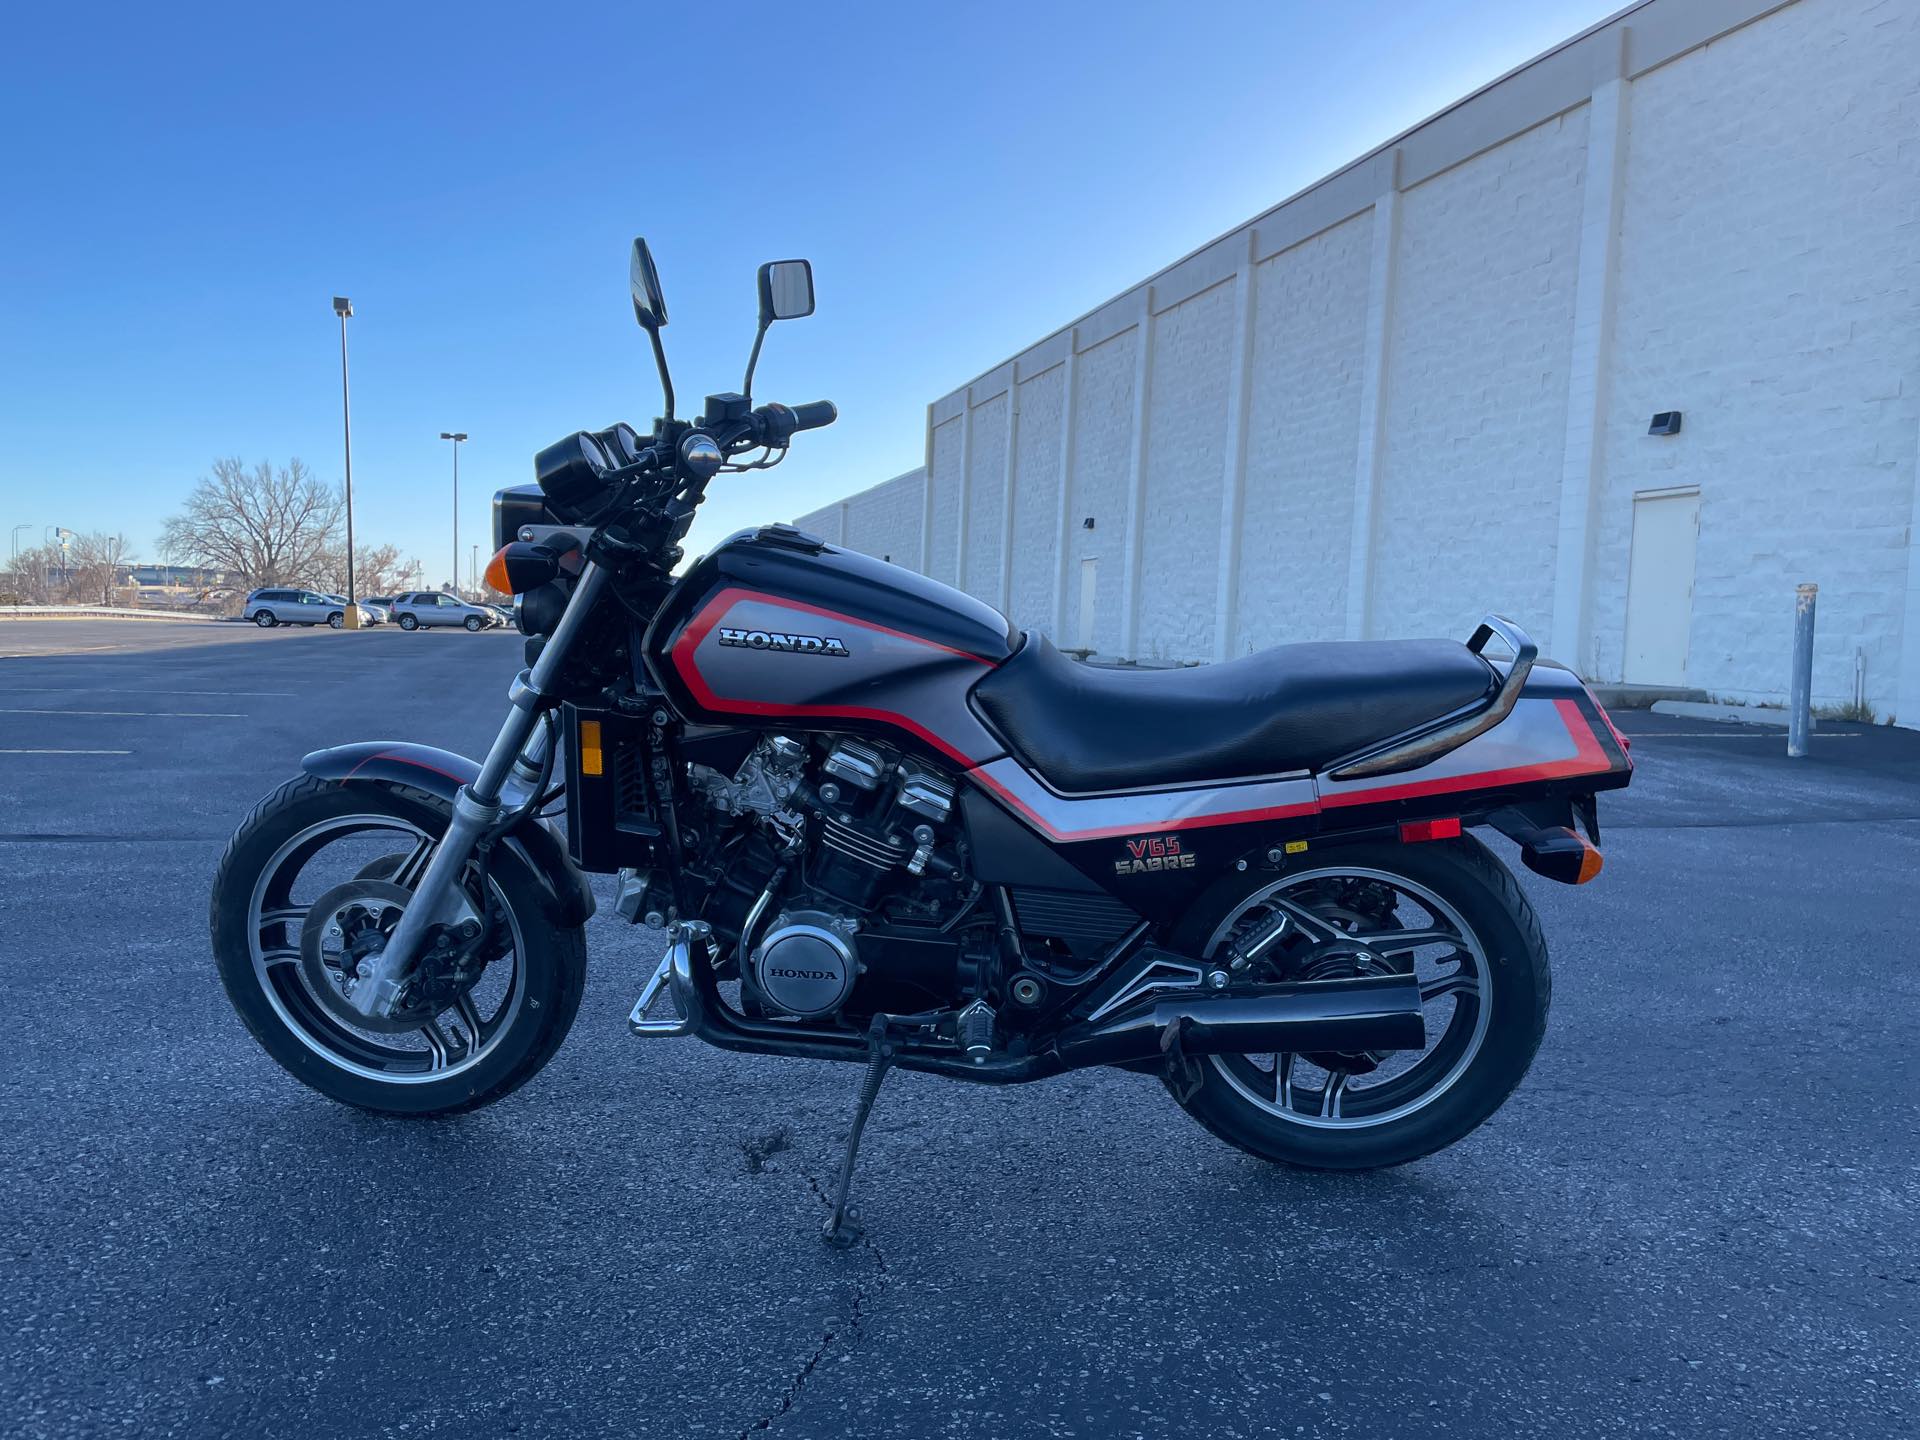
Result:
[675,976]
[843,1230]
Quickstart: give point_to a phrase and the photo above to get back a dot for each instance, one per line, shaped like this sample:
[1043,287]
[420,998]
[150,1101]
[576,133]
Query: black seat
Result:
[1294,707]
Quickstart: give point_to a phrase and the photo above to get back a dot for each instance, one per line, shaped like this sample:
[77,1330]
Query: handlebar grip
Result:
[815,413]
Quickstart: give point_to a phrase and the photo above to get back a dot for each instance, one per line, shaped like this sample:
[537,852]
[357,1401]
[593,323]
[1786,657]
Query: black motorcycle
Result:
[879,823]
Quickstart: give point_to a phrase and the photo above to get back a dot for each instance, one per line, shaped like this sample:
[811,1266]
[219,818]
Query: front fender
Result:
[441,774]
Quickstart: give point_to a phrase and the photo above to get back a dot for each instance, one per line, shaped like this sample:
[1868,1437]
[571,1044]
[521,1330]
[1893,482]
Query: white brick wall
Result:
[1036,492]
[1468,506]
[883,521]
[1769,288]
[1738,238]
[1310,303]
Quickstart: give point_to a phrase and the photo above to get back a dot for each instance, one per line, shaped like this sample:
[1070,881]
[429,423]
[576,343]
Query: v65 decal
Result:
[1152,854]
[782,640]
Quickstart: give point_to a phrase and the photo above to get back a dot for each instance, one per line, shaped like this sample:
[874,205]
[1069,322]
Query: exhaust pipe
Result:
[1365,1012]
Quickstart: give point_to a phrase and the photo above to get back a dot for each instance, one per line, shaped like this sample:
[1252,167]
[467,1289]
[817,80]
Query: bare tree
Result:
[376,571]
[34,576]
[262,526]
[95,564]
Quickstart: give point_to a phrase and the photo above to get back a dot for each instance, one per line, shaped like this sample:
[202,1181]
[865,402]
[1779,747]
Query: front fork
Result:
[476,809]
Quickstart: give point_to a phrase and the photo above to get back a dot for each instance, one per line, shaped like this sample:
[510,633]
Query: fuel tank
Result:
[776,627]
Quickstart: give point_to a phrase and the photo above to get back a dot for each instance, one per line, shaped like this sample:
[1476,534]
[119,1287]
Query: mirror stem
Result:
[660,362]
[753,360]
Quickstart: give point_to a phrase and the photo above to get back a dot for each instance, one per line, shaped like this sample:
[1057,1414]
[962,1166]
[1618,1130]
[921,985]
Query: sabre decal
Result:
[781,640]
[1152,855]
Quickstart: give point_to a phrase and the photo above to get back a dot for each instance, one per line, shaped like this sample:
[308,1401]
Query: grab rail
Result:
[1405,755]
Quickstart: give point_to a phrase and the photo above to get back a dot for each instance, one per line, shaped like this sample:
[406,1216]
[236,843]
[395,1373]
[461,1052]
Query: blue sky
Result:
[187,186]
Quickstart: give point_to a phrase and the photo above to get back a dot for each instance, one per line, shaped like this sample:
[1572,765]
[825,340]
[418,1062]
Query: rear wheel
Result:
[407,622]
[473,623]
[1447,912]
[313,881]
[264,619]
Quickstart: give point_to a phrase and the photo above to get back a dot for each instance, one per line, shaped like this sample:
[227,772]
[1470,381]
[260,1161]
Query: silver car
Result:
[370,612]
[281,606]
[420,608]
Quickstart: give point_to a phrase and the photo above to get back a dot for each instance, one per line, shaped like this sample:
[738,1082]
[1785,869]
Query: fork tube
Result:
[475,808]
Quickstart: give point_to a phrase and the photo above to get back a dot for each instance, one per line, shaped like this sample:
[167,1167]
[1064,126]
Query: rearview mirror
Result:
[786,290]
[649,305]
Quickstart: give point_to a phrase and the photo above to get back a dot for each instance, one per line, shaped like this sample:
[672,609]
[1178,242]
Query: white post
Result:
[1906,703]
[1006,495]
[1583,449]
[1233,480]
[1373,402]
[1137,481]
[1063,526]
[1800,683]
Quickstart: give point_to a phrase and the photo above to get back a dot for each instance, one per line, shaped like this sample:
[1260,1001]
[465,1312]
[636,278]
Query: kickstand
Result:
[843,1226]
[1183,1071]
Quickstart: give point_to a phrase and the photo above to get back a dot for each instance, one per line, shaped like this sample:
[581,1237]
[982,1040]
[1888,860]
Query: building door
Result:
[1660,588]
[1089,588]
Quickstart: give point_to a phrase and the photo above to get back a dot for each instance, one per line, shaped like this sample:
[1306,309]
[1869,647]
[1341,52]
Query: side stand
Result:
[843,1226]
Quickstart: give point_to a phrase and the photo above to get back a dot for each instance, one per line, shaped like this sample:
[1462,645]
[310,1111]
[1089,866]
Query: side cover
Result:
[775,627]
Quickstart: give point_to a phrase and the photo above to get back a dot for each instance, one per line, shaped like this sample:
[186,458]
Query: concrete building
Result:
[1424,387]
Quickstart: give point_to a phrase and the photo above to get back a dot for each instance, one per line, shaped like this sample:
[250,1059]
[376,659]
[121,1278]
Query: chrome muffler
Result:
[1362,1012]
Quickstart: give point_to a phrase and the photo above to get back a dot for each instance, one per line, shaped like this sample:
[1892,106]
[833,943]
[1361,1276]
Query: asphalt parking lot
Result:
[1697,1217]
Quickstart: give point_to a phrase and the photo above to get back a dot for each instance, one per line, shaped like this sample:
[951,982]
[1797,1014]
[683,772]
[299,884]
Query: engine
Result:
[842,883]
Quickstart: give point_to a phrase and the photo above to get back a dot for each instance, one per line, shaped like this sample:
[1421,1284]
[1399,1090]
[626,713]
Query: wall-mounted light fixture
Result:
[1087,524]
[1667,422]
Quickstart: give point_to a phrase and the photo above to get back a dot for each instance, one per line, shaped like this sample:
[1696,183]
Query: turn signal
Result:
[496,574]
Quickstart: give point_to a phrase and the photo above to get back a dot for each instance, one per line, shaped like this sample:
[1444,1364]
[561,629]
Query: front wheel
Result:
[1449,913]
[314,880]
[336,620]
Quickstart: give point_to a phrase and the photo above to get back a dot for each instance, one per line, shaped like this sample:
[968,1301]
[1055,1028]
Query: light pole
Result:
[15,538]
[456,436]
[473,569]
[343,307]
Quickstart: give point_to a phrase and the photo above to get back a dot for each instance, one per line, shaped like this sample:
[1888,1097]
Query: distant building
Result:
[1625,345]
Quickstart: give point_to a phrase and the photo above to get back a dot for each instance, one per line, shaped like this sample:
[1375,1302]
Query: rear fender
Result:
[441,774]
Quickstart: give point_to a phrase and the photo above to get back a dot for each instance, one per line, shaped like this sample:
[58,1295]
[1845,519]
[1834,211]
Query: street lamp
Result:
[15,539]
[343,307]
[456,436]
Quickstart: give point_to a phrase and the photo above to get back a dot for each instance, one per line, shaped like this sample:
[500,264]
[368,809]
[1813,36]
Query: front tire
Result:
[1486,1008]
[310,840]
[336,620]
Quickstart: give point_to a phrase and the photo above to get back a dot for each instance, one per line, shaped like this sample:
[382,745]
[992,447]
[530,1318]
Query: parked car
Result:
[370,613]
[420,608]
[279,606]
[505,612]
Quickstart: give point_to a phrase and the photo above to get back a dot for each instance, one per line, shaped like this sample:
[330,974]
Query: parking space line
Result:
[66,752]
[139,714]
[169,690]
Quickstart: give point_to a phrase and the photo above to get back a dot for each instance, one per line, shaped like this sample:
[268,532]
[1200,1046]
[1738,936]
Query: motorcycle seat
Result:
[1083,728]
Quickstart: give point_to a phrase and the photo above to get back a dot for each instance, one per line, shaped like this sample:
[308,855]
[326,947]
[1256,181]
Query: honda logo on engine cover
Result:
[781,640]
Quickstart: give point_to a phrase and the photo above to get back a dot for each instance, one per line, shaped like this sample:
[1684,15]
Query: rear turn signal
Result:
[1562,855]
[1413,831]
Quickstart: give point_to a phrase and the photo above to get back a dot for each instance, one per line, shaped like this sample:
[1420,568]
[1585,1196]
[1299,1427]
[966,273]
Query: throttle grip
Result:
[815,413]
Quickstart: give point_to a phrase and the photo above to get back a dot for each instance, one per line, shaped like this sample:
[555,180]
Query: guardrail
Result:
[100,612]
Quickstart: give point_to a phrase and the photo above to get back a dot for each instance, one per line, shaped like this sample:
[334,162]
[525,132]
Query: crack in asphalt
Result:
[757,1151]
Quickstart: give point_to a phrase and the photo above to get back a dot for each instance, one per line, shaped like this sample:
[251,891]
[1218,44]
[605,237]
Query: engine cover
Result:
[804,965]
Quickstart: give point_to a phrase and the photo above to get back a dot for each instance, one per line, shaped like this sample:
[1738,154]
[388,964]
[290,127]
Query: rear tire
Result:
[473,624]
[407,622]
[1516,985]
[549,964]
[264,619]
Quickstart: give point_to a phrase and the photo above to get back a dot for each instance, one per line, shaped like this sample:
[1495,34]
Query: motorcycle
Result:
[878,823]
